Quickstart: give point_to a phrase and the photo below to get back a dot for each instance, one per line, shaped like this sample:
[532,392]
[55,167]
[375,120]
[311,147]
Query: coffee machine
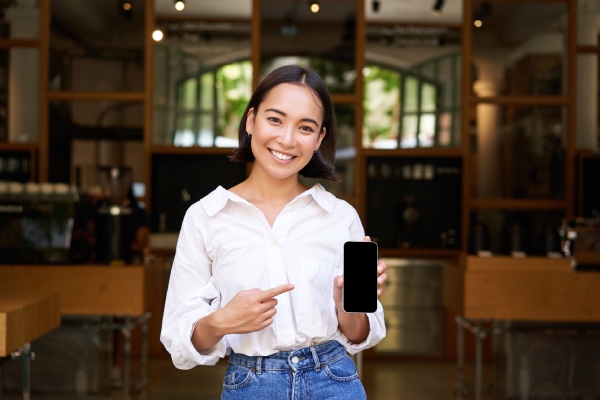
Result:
[114,224]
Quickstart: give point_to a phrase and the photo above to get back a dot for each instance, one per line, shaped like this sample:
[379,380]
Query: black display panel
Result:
[360,277]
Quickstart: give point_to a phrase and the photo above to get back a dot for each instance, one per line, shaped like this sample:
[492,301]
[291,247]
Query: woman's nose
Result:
[288,138]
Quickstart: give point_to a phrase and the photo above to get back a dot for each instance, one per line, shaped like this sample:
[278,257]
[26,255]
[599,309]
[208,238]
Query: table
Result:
[86,290]
[521,289]
[24,317]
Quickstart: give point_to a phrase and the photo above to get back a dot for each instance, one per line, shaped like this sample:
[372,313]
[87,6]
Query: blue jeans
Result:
[324,371]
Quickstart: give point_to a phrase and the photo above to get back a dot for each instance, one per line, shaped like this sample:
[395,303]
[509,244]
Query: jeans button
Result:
[295,360]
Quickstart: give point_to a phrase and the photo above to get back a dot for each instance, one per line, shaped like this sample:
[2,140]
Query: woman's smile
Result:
[281,156]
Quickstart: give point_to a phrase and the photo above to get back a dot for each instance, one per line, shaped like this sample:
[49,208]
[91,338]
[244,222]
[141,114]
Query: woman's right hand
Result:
[249,310]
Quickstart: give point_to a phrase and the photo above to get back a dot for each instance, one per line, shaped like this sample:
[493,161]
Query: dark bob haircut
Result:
[321,164]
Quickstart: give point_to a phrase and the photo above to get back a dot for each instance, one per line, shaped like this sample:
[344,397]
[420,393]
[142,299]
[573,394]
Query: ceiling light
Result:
[314,7]
[437,7]
[157,35]
[179,5]
[478,23]
[375,5]
[126,6]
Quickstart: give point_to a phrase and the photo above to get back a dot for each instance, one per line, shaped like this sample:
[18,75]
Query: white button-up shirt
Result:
[226,245]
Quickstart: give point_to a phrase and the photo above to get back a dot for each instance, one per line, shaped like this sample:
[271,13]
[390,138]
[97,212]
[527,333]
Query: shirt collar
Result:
[217,199]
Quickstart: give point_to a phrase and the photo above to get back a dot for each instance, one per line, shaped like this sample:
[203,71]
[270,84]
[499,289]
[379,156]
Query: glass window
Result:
[424,109]
[381,105]
[202,82]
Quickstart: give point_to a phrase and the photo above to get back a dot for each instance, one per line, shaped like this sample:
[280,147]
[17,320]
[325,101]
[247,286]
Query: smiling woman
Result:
[257,269]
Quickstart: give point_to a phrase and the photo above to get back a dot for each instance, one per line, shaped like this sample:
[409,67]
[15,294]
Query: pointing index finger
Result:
[276,291]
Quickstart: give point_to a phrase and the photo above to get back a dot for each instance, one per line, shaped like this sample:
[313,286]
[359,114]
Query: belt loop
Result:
[258,365]
[316,358]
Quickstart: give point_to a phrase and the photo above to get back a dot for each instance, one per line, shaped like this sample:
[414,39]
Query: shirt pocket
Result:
[315,310]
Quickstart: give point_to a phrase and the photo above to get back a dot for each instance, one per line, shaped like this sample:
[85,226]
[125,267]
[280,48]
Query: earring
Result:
[249,134]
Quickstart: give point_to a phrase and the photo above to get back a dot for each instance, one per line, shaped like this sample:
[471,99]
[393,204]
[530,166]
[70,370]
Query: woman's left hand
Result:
[338,281]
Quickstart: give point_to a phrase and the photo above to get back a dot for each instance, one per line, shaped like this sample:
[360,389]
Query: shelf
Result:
[518,204]
[169,149]
[416,152]
[95,96]
[523,100]
[588,49]
[587,257]
[8,146]
[420,253]
[343,98]
[10,43]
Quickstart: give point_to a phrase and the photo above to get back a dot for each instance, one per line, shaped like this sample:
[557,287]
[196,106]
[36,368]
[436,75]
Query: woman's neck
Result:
[262,188]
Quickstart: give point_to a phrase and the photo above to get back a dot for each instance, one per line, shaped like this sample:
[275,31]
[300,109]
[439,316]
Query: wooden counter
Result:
[83,289]
[529,289]
[25,317]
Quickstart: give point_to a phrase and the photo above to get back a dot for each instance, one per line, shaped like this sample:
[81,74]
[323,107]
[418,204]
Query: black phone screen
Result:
[359,293]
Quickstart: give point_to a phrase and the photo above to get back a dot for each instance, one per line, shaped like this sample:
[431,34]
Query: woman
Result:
[257,270]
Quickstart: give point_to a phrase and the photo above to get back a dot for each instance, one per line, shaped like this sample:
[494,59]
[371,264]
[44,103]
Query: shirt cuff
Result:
[183,352]
[376,333]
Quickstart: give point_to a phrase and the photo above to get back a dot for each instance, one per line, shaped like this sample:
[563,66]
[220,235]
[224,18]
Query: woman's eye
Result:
[274,119]
[306,128]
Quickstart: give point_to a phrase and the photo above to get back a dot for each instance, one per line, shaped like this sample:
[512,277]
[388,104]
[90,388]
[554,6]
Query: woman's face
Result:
[286,130]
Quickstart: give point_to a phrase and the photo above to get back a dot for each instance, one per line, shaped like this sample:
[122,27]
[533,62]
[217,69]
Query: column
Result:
[488,141]
[587,84]
[23,87]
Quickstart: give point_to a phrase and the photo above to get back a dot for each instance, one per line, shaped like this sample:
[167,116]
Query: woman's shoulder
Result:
[331,202]
[210,204]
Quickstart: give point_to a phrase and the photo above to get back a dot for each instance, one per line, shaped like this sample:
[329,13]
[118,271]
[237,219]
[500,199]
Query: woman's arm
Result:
[248,311]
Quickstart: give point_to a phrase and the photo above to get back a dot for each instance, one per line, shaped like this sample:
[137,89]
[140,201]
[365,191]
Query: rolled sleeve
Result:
[376,333]
[183,353]
[192,294]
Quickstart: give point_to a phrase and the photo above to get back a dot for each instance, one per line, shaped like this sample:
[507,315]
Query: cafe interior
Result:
[468,141]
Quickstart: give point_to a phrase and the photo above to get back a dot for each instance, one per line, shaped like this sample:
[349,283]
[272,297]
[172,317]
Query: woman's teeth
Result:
[281,156]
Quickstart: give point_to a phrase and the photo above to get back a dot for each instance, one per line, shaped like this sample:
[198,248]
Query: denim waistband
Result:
[294,360]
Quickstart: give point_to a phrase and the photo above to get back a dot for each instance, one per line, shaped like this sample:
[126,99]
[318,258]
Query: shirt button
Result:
[275,243]
[295,360]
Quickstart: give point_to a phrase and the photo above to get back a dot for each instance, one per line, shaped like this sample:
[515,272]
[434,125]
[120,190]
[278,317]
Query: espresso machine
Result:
[114,224]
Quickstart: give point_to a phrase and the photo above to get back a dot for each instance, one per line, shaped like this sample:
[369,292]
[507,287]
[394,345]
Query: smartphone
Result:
[359,293]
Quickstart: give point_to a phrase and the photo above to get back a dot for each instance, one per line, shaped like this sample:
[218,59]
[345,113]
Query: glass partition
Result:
[588,29]
[202,84]
[97,45]
[588,102]
[19,19]
[323,40]
[519,48]
[411,86]
[19,93]
[519,152]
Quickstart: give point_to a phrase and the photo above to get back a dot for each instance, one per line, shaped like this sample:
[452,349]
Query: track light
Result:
[126,9]
[157,35]
[437,7]
[375,5]
[314,7]
[179,5]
